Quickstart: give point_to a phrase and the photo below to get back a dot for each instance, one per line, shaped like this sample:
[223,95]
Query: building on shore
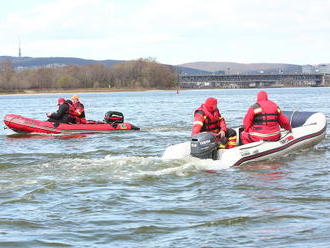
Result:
[323,68]
[308,69]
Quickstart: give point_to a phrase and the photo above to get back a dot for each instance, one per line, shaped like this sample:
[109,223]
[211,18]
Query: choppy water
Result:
[114,190]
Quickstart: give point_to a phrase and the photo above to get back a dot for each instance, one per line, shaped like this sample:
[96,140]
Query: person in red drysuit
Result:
[77,110]
[263,121]
[207,118]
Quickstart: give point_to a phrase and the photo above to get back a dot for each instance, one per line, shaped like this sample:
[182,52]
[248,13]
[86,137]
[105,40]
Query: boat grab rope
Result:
[286,134]
[292,116]
[9,121]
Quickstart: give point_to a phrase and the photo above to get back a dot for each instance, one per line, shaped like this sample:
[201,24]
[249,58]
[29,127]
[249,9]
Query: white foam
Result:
[121,167]
[178,151]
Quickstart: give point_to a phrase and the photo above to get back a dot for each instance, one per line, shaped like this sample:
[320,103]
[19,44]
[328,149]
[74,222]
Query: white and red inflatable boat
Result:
[308,129]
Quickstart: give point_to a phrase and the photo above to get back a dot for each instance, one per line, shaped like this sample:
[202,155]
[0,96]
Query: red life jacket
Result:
[265,123]
[79,107]
[74,114]
[265,115]
[211,121]
[71,110]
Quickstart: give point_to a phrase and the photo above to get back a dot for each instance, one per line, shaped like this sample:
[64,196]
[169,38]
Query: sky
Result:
[169,31]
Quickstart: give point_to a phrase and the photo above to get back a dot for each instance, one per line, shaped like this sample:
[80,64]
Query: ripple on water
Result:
[115,190]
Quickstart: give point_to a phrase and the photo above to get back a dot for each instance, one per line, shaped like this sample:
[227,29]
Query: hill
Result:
[22,62]
[187,68]
[30,62]
[233,68]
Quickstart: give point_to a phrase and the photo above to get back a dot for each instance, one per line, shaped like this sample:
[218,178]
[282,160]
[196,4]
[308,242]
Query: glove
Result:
[223,140]
[222,133]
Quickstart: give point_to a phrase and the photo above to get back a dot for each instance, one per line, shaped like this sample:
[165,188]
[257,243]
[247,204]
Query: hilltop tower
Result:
[19,48]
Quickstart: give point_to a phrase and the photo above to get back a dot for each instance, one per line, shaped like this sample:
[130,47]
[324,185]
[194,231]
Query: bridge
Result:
[252,80]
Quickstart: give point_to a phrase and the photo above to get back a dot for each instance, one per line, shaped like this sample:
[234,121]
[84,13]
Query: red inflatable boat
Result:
[21,124]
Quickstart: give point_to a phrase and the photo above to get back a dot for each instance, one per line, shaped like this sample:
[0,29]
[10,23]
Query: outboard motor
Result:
[204,145]
[113,117]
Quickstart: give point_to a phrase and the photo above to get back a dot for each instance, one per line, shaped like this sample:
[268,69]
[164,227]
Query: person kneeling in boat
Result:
[263,121]
[207,118]
[77,110]
[62,114]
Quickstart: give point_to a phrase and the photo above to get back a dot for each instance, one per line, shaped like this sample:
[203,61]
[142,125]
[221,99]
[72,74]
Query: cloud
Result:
[57,16]
[170,30]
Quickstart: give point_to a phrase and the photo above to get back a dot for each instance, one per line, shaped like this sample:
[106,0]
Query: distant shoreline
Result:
[108,90]
[75,91]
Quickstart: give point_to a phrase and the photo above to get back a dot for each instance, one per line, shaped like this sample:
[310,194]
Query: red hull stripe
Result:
[258,155]
[59,130]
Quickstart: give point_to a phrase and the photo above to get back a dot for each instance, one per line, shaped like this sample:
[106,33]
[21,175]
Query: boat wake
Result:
[118,168]
[140,167]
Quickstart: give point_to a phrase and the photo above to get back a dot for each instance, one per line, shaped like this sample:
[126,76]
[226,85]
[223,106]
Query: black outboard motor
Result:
[113,117]
[204,145]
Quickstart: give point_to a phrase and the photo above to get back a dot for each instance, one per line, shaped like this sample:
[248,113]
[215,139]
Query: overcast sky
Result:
[171,31]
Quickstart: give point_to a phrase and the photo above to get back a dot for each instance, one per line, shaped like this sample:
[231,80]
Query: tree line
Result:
[141,73]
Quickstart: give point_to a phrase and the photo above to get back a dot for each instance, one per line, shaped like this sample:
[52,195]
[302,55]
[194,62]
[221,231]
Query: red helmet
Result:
[60,101]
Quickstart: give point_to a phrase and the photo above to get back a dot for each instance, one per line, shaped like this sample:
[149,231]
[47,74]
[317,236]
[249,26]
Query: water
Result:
[114,190]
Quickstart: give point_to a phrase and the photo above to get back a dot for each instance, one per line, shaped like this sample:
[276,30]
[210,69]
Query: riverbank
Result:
[76,91]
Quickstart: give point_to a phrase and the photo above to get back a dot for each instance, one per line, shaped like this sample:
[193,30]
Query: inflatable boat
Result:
[114,121]
[308,129]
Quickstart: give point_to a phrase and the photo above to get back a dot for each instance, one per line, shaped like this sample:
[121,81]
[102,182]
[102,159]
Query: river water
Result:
[114,190]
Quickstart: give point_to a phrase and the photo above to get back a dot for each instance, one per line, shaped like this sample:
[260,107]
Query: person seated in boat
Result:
[263,121]
[77,110]
[62,114]
[207,118]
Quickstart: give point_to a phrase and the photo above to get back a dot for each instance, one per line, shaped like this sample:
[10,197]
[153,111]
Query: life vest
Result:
[265,123]
[77,113]
[211,121]
[71,111]
[79,108]
[265,115]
